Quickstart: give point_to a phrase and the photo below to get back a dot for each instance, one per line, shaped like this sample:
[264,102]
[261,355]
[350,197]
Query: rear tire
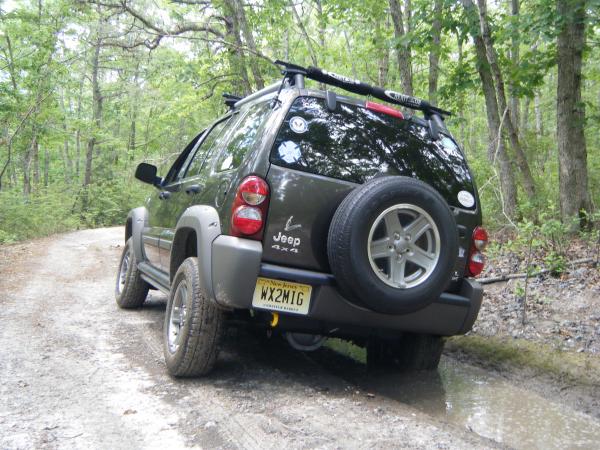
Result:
[410,352]
[130,291]
[193,325]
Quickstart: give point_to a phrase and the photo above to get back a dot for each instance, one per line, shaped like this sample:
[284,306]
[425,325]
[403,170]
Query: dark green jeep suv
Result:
[312,215]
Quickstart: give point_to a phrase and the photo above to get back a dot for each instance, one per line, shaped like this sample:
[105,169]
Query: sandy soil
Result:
[77,372]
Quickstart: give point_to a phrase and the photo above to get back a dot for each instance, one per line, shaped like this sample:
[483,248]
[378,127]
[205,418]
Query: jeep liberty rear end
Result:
[312,215]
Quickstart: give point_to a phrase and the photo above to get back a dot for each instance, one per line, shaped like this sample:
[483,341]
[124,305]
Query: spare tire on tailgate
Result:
[392,245]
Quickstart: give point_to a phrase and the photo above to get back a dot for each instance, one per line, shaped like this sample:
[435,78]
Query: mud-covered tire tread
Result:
[339,246]
[198,353]
[135,290]
[410,352]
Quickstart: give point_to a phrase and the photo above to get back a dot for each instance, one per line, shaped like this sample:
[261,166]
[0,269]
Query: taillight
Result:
[247,220]
[372,106]
[476,260]
[480,238]
[254,190]
[250,208]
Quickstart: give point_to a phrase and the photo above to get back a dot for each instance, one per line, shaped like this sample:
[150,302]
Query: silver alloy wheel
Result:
[403,246]
[123,273]
[177,316]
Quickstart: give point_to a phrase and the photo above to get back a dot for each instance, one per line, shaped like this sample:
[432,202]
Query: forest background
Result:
[90,89]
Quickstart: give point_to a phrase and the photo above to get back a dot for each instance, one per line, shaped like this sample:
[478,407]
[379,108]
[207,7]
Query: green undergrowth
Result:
[58,208]
[543,359]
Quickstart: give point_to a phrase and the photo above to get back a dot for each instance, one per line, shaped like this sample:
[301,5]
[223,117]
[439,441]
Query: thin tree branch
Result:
[513,276]
[29,112]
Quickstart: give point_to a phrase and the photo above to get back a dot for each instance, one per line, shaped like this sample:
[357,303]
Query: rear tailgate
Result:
[300,211]
[319,155]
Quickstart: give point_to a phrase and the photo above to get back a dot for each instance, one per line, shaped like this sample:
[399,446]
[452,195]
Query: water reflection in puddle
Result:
[471,397]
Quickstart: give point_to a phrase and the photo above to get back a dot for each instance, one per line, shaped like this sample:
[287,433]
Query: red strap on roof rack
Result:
[378,107]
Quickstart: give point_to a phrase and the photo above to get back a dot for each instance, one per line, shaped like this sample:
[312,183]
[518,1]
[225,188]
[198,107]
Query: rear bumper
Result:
[237,264]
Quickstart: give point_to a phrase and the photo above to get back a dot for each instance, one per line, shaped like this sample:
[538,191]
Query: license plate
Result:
[281,296]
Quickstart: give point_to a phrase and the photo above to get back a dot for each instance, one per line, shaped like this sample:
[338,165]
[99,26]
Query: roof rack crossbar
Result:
[358,87]
[264,91]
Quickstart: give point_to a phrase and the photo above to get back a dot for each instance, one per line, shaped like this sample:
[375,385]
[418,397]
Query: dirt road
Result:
[77,372]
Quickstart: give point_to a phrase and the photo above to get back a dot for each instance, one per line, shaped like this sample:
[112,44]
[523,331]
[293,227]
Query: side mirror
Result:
[147,173]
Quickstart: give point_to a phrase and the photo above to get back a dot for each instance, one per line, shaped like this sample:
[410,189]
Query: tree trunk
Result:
[134,112]
[27,157]
[525,116]
[383,69]
[11,64]
[78,132]
[36,161]
[460,101]
[96,111]
[147,131]
[249,38]
[321,24]
[352,63]
[46,166]
[407,16]
[514,56]
[131,143]
[504,111]
[311,51]
[237,59]
[403,50]
[570,113]
[11,70]
[496,148]
[383,63]
[434,52]
[67,161]
[539,121]
[13,179]
[287,43]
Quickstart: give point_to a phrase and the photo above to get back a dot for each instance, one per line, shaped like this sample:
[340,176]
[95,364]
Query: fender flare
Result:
[204,220]
[137,220]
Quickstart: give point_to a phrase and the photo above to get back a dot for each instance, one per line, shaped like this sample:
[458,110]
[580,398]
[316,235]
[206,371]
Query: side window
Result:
[181,160]
[206,148]
[190,155]
[243,137]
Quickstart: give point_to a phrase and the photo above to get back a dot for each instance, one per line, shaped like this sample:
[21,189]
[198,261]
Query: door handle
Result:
[164,195]
[193,189]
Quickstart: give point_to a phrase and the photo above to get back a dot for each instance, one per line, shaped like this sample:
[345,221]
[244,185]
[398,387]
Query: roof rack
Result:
[297,73]
[231,100]
[294,75]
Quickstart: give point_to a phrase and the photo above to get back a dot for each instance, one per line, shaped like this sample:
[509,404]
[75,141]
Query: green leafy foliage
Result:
[43,213]
[54,210]
[154,95]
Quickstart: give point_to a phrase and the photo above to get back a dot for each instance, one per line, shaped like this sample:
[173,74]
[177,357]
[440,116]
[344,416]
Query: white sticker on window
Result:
[289,152]
[466,199]
[449,144]
[298,125]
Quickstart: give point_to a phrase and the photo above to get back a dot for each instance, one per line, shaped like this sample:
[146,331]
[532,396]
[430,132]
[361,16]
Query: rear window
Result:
[355,144]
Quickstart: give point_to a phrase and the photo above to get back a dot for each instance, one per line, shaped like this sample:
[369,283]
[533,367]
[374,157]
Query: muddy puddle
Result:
[486,404]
